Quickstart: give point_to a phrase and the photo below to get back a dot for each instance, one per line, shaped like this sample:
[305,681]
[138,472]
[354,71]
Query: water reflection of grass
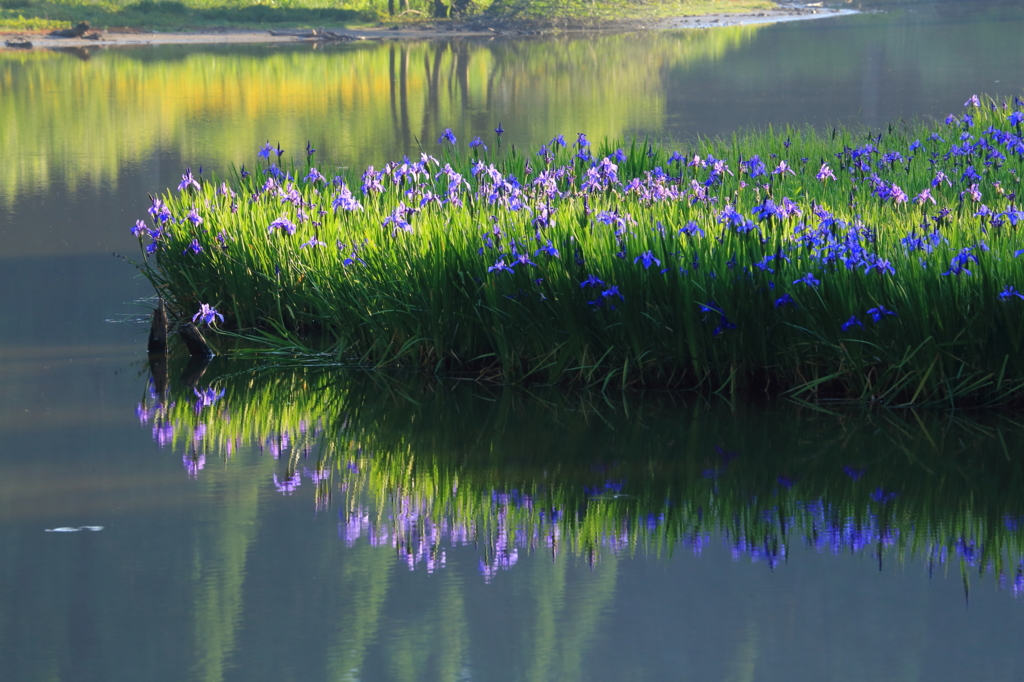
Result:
[422,468]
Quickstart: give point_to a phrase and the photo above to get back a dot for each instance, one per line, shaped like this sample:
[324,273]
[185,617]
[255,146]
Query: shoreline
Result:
[475,28]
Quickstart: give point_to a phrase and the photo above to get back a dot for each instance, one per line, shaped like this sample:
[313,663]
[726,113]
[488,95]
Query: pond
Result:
[237,521]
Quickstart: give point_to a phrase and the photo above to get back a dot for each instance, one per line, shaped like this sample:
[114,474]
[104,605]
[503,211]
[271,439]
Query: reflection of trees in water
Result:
[360,104]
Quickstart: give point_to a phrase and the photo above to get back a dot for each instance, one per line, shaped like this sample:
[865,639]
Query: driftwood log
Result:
[316,34]
[194,341]
[76,31]
[19,42]
[158,330]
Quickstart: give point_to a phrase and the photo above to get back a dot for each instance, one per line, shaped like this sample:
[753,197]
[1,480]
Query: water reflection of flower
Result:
[193,464]
[288,483]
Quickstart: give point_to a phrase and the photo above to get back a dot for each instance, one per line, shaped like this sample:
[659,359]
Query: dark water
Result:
[581,538]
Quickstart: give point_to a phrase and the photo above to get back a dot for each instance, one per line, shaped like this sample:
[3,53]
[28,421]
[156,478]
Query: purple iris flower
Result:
[398,219]
[345,201]
[187,181]
[925,195]
[647,257]
[1016,118]
[139,228]
[282,223]
[447,135]
[314,176]
[313,241]
[499,130]
[195,246]
[825,173]
[591,281]
[855,474]
[549,249]
[852,322]
[690,229]
[264,152]
[611,292]
[970,175]
[783,168]
[500,266]
[159,211]
[709,307]
[524,259]
[207,314]
[808,279]
[767,209]
[973,101]
[878,313]
[723,325]
[972,192]
[194,217]
[1008,292]
[477,142]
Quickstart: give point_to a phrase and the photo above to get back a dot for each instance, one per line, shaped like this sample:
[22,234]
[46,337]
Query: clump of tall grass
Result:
[879,268]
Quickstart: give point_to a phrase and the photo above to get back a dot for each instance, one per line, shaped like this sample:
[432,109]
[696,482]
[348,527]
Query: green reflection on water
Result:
[82,122]
[419,468]
[218,566]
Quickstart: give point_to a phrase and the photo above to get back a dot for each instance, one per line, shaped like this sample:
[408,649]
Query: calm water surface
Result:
[299,525]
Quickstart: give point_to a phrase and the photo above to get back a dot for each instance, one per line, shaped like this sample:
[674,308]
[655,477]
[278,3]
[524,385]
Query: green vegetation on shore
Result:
[20,15]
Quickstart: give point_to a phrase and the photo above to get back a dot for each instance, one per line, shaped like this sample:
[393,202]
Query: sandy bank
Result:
[477,27]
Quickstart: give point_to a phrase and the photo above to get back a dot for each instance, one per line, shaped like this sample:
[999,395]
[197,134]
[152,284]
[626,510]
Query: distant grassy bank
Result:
[27,15]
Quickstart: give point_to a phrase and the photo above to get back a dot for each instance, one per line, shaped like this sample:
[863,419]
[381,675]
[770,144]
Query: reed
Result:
[879,268]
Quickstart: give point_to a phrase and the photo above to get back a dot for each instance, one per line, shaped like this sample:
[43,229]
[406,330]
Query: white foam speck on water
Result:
[69,529]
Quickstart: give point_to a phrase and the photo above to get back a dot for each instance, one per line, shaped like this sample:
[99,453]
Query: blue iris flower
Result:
[647,257]
[878,313]
[447,135]
[207,314]
[690,229]
[549,249]
[1008,292]
[852,322]
[591,281]
[808,279]
[784,300]
[500,266]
